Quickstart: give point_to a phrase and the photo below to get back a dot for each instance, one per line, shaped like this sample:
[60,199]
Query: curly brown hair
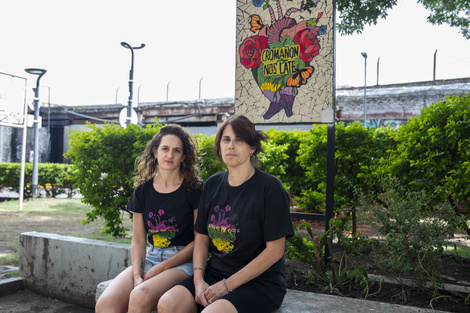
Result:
[147,165]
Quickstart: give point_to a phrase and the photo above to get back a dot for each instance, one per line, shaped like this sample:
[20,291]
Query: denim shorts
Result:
[156,255]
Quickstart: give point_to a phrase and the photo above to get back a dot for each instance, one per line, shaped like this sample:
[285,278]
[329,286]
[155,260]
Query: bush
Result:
[104,160]
[293,176]
[52,177]
[411,233]
[357,154]
[208,164]
[432,154]
[271,160]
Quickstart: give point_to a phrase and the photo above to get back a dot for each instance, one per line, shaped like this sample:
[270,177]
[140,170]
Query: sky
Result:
[190,49]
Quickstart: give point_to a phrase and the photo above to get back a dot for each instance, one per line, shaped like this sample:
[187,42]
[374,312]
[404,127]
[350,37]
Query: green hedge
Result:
[54,178]
[429,152]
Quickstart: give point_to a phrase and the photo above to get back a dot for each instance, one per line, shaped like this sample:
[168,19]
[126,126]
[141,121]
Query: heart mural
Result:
[279,54]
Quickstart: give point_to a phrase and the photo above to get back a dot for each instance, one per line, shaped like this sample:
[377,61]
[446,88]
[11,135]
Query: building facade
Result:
[383,105]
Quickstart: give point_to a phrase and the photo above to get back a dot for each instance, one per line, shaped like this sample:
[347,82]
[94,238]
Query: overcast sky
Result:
[78,43]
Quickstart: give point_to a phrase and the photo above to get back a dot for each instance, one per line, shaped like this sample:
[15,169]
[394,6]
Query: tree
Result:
[354,15]
[456,13]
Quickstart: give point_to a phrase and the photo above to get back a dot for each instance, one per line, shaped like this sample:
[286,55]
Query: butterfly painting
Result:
[300,77]
[256,23]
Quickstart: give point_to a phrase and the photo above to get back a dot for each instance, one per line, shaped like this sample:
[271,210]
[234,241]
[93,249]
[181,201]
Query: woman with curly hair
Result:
[164,206]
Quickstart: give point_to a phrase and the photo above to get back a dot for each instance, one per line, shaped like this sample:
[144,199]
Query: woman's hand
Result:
[137,280]
[154,271]
[199,290]
[214,292]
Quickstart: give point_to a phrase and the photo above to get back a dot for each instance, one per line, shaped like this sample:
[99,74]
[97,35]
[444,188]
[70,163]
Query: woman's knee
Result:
[108,303]
[141,297]
[177,299]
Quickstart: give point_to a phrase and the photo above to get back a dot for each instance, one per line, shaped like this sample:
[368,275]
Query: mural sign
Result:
[284,65]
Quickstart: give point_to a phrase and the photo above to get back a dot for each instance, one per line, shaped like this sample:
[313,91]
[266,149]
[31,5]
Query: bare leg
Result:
[116,296]
[144,298]
[220,306]
[177,300]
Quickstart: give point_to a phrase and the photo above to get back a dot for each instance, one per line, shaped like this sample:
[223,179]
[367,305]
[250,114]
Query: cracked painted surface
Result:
[284,66]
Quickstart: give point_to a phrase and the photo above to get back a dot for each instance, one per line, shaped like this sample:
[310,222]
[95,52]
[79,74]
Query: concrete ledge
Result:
[77,270]
[69,268]
[11,285]
[308,302]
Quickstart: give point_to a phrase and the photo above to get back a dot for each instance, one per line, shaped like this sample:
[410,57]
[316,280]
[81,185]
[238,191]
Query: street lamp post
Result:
[115,101]
[365,84]
[434,69]
[167,88]
[200,87]
[40,73]
[378,64]
[131,79]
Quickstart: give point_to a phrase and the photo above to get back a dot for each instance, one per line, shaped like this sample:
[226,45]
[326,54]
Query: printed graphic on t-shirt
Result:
[223,228]
[162,230]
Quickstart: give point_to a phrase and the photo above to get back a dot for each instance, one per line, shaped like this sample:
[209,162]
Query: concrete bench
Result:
[310,302]
[71,269]
[294,301]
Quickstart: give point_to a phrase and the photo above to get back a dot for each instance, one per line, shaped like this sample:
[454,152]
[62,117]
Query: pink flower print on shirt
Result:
[161,230]
[222,229]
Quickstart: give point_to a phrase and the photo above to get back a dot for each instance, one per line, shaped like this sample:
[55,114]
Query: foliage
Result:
[343,278]
[270,161]
[354,15]
[432,153]
[357,154]
[52,177]
[104,159]
[411,233]
[455,13]
[294,177]
[298,247]
[312,252]
[208,164]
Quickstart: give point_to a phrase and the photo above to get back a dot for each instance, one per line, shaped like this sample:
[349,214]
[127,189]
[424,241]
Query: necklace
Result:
[249,174]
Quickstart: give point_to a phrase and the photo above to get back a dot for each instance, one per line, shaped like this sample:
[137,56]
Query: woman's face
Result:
[169,153]
[235,151]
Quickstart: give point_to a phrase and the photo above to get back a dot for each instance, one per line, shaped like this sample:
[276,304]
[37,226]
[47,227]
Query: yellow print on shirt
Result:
[160,242]
[222,245]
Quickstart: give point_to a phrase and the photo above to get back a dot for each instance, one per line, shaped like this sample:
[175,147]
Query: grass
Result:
[50,215]
[458,251]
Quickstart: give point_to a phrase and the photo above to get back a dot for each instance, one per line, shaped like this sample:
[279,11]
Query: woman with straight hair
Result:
[242,224]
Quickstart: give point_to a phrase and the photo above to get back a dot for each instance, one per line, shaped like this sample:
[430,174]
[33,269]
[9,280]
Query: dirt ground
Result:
[24,301]
[454,273]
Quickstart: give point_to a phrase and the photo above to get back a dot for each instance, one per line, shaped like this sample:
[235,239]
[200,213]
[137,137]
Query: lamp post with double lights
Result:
[131,79]
[365,84]
[40,72]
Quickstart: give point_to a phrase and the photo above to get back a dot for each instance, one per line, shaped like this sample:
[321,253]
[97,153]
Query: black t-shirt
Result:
[240,220]
[168,217]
